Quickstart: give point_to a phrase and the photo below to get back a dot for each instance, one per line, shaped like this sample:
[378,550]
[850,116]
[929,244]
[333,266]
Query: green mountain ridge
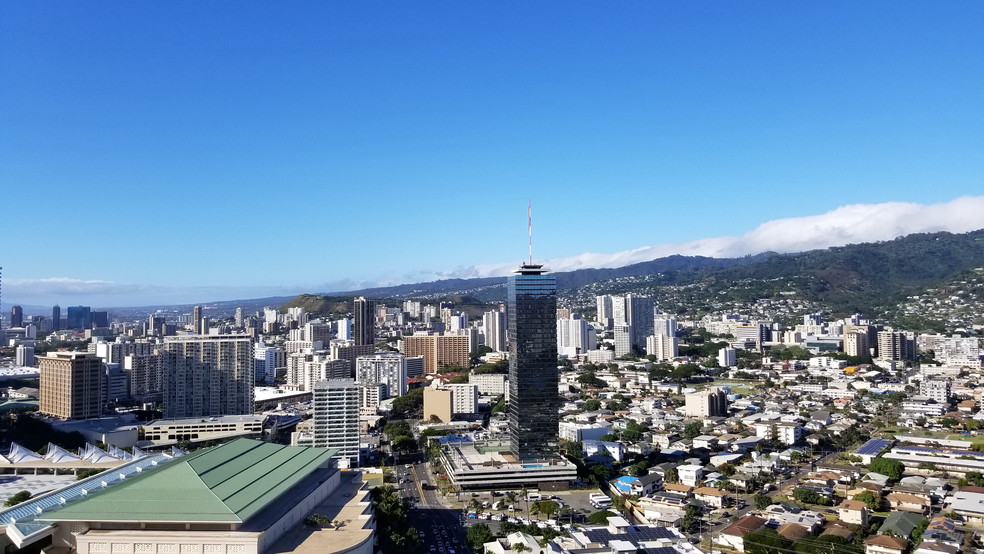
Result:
[869,278]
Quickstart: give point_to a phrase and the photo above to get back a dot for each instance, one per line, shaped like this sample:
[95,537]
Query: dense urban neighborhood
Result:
[454,425]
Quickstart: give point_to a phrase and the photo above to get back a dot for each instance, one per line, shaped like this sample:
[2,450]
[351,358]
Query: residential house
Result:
[733,536]
[853,511]
[793,531]
[908,502]
[969,503]
[713,497]
[883,544]
[679,489]
[690,474]
[900,524]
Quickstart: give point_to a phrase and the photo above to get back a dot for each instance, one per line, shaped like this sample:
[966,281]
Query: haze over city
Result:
[196,152]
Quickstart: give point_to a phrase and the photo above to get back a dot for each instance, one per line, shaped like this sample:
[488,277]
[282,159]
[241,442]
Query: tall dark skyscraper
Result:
[56,318]
[534,400]
[364,324]
[79,317]
[16,316]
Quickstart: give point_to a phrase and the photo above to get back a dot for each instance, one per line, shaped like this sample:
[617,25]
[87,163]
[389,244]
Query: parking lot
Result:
[495,507]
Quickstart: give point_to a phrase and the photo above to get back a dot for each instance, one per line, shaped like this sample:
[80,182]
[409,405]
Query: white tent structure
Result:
[19,454]
[58,455]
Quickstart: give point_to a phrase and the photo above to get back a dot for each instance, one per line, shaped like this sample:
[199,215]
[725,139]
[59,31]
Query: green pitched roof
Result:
[227,483]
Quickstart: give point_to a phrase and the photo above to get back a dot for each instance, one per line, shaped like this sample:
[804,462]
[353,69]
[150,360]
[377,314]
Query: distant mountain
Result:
[868,278]
[478,287]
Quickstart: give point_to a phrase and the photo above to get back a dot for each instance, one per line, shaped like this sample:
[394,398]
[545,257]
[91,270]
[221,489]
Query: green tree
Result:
[591,405]
[761,501]
[810,496]
[671,475]
[17,498]
[892,468]
[411,403]
[870,499]
[691,516]
[693,429]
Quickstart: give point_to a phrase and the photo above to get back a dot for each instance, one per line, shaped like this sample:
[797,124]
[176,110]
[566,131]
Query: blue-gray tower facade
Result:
[534,400]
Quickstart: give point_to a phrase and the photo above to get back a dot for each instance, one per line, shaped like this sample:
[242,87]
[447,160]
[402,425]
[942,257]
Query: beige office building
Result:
[71,385]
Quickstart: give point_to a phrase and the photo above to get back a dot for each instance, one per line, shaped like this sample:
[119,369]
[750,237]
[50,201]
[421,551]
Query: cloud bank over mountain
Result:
[851,224]
[855,223]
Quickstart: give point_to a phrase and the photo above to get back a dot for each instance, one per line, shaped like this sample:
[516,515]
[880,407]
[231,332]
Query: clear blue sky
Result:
[179,149]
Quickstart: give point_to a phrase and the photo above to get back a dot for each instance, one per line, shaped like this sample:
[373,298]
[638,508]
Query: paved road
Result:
[442,526]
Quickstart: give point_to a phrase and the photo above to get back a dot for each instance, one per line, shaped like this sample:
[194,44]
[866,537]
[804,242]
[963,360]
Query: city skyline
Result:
[655,129]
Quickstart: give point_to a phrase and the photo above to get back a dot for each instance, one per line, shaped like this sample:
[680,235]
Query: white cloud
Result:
[851,224]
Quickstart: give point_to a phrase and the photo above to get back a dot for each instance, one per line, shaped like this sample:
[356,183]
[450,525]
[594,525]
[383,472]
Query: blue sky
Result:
[189,151]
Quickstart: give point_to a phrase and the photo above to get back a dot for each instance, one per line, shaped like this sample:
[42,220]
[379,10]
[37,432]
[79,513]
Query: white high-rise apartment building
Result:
[464,398]
[727,357]
[388,368]
[494,326]
[208,375]
[336,420]
[371,395]
[604,315]
[620,313]
[665,324]
[304,369]
[267,359]
[623,339]
[24,356]
[662,346]
[575,336]
[343,329]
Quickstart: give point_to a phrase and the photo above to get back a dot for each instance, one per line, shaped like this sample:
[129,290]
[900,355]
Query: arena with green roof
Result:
[240,497]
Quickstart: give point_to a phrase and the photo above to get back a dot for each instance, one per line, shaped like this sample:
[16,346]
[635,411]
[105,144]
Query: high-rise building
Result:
[534,400]
[439,351]
[56,318]
[662,346]
[622,335]
[894,345]
[364,324]
[494,326]
[604,315]
[208,375]
[79,317]
[24,356]
[16,316]
[712,402]
[343,329]
[71,385]
[639,314]
[856,343]
[727,357]
[266,360]
[388,368]
[146,374]
[197,320]
[665,324]
[336,419]
[575,336]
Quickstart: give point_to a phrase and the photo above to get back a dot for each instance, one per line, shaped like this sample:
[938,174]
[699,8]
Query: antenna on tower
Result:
[529,226]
